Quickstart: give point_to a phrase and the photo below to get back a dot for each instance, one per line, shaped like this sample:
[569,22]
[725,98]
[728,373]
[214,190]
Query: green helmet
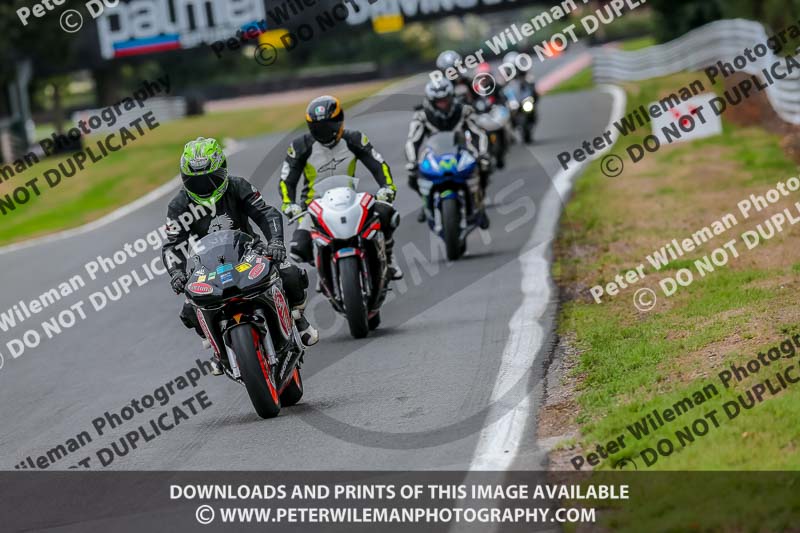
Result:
[204,170]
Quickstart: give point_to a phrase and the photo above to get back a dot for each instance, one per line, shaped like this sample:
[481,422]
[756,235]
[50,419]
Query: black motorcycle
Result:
[240,303]
[522,101]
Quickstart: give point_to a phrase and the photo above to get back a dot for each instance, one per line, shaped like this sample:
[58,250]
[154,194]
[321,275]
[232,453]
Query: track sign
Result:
[388,23]
[689,120]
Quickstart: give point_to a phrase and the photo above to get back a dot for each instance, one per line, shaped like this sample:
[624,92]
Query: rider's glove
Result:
[385,194]
[178,282]
[291,210]
[276,250]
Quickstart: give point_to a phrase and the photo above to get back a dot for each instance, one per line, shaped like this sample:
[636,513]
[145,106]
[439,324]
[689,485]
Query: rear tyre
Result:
[256,373]
[293,392]
[451,227]
[354,306]
[375,321]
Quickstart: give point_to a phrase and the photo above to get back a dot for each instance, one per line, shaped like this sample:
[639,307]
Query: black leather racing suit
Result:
[312,160]
[240,204]
[425,123]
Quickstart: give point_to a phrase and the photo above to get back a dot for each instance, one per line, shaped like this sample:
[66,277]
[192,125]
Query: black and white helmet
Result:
[447,59]
[440,98]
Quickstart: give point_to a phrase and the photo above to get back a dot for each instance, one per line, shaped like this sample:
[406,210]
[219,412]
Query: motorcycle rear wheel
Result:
[354,305]
[256,372]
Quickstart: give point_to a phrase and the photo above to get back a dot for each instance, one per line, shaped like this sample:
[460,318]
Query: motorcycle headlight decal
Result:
[200,288]
[465,161]
[256,271]
[429,164]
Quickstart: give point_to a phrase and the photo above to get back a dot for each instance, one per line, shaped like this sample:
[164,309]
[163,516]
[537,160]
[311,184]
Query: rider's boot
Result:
[309,335]
[395,272]
[216,367]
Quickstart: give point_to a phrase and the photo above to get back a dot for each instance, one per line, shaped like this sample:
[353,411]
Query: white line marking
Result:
[499,442]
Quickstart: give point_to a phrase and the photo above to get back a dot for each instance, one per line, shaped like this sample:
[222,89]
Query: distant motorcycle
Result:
[239,300]
[450,188]
[495,119]
[521,101]
[349,252]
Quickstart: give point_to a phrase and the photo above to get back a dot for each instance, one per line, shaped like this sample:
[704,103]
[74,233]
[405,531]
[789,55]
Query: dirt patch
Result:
[557,414]
[757,111]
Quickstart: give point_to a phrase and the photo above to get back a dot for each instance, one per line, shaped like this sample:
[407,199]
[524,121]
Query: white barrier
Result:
[718,41]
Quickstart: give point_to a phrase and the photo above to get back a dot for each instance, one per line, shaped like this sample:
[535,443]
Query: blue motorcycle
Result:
[450,188]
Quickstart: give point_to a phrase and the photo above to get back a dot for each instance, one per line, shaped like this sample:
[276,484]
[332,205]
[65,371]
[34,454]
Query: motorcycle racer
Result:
[329,150]
[440,111]
[462,85]
[231,202]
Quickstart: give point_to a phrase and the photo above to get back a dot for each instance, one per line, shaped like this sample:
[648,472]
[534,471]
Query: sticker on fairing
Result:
[226,277]
[200,288]
[243,267]
[212,275]
[284,316]
[257,270]
[224,268]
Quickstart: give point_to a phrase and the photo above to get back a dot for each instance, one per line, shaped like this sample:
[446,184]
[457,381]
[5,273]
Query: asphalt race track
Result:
[419,393]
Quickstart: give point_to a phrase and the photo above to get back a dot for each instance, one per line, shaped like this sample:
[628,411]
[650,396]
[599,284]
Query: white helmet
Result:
[439,99]
[510,57]
[447,59]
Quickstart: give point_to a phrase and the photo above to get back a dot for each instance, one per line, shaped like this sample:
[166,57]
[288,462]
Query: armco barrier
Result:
[718,41]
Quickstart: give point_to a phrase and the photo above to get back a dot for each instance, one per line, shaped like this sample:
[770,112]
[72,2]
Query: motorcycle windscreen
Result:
[442,143]
[443,155]
[222,247]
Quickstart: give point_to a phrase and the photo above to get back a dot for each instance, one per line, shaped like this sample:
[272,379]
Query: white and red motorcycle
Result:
[349,252]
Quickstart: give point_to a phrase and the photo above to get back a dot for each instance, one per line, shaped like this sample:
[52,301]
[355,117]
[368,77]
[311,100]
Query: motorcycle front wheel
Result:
[293,391]
[256,372]
[451,228]
[354,305]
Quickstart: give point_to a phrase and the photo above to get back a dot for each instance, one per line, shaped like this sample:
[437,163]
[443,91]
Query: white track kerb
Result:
[498,443]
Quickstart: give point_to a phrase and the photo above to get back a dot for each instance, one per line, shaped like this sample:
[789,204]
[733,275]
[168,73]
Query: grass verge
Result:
[628,363]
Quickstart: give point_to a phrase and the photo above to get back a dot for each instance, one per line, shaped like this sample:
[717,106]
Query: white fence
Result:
[722,40]
[164,109]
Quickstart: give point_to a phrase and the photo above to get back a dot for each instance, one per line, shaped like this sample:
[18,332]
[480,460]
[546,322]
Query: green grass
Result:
[142,166]
[637,44]
[631,363]
[582,81]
